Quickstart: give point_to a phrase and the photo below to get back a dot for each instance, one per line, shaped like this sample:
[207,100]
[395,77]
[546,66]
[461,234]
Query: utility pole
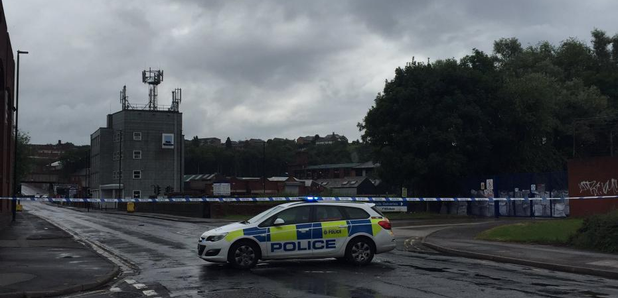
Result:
[15,182]
[119,162]
[264,167]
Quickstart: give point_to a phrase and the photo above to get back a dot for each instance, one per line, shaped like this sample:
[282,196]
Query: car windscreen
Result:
[264,214]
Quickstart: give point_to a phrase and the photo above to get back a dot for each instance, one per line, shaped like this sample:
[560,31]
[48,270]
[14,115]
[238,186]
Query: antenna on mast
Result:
[176,99]
[124,99]
[153,78]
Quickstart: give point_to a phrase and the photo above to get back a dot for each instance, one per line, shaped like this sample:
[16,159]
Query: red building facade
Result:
[597,176]
[7,75]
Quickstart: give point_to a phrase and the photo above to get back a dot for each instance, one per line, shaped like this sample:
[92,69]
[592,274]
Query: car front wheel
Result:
[360,251]
[243,255]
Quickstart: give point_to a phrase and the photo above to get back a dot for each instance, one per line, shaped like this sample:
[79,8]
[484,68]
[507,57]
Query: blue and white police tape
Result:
[288,199]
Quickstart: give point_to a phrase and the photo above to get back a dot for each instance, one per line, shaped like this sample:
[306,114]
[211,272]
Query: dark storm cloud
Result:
[254,69]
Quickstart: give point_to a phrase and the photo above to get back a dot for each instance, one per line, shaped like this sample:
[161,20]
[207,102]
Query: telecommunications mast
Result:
[124,99]
[152,78]
[176,98]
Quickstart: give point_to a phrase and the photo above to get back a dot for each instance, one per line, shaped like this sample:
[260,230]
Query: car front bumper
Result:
[213,251]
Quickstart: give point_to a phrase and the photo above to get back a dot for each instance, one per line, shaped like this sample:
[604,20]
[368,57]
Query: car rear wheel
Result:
[360,251]
[243,255]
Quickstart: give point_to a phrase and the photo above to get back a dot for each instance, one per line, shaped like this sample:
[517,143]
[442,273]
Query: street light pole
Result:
[14,208]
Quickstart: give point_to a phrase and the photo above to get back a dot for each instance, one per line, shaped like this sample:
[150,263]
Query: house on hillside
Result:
[209,141]
[349,186]
[331,139]
[331,171]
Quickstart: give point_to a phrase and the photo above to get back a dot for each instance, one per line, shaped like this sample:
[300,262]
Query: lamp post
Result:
[14,208]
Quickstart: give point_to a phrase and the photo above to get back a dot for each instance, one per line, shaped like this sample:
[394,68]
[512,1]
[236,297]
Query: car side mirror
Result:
[278,222]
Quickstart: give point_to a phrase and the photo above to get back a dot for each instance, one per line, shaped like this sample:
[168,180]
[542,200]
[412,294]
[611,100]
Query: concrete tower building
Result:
[140,149]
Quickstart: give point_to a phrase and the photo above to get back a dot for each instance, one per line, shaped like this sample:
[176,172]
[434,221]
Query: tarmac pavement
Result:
[38,259]
[459,240]
[162,216]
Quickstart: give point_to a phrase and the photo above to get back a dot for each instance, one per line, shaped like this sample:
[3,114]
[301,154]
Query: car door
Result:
[330,231]
[292,239]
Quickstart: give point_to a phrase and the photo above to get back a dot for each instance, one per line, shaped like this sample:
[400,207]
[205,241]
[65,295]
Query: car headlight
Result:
[215,238]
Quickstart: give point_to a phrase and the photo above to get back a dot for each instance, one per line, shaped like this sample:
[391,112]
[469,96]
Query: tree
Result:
[23,159]
[228,143]
[74,160]
[511,111]
[195,142]
[428,127]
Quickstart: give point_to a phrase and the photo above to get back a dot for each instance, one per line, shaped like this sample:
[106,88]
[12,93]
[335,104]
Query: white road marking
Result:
[130,281]
[140,286]
[149,292]
[114,289]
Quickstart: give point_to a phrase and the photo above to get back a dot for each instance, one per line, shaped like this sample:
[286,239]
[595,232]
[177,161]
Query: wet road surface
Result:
[160,260]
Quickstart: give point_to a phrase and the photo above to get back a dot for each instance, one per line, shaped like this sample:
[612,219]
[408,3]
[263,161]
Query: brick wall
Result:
[593,177]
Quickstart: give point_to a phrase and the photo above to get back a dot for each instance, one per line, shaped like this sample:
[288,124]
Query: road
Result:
[160,256]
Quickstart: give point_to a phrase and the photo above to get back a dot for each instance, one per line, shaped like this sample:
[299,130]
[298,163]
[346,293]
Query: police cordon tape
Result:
[288,199]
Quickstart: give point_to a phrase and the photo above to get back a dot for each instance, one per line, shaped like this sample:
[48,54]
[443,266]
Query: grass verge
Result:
[557,232]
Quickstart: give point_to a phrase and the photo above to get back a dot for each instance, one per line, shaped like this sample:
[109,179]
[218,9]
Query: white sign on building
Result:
[221,189]
[490,184]
[167,141]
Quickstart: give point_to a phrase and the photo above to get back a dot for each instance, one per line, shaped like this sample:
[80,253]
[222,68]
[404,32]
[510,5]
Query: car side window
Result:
[356,213]
[291,216]
[328,213]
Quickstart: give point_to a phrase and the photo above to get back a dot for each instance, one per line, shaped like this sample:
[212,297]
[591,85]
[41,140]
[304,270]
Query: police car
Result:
[309,229]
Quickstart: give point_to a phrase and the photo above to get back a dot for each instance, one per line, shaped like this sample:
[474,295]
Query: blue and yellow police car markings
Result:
[283,233]
[316,231]
[260,234]
[303,231]
[334,229]
[360,226]
[375,227]
[309,236]
[231,236]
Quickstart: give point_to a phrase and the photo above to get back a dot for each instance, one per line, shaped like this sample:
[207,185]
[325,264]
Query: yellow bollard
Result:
[130,207]
[19,207]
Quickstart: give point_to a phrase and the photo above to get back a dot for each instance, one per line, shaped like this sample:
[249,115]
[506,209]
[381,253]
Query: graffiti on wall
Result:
[599,188]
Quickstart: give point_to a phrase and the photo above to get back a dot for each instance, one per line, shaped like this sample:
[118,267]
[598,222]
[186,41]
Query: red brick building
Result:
[7,75]
[335,171]
[597,176]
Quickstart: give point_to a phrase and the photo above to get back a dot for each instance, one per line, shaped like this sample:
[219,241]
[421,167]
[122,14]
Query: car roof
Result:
[331,203]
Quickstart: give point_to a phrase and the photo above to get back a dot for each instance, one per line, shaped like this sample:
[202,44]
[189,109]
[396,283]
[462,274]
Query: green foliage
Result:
[543,232]
[273,159]
[24,162]
[598,232]
[512,111]
[74,160]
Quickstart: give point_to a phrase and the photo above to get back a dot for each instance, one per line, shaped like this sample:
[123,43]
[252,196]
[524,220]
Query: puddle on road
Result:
[486,276]
[66,256]
[428,269]
[593,294]
[308,276]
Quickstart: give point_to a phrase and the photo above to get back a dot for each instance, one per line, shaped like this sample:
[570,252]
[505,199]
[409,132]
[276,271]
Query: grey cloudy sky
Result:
[254,69]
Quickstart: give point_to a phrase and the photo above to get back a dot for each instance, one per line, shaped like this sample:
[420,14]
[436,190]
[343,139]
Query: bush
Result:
[598,232]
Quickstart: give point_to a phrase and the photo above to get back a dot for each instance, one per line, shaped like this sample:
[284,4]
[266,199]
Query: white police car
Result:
[346,231]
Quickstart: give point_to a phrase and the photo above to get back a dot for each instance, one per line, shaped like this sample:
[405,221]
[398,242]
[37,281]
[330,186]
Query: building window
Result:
[118,136]
[137,154]
[117,155]
[137,174]
[137,136]
[137,194]
[117,175]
